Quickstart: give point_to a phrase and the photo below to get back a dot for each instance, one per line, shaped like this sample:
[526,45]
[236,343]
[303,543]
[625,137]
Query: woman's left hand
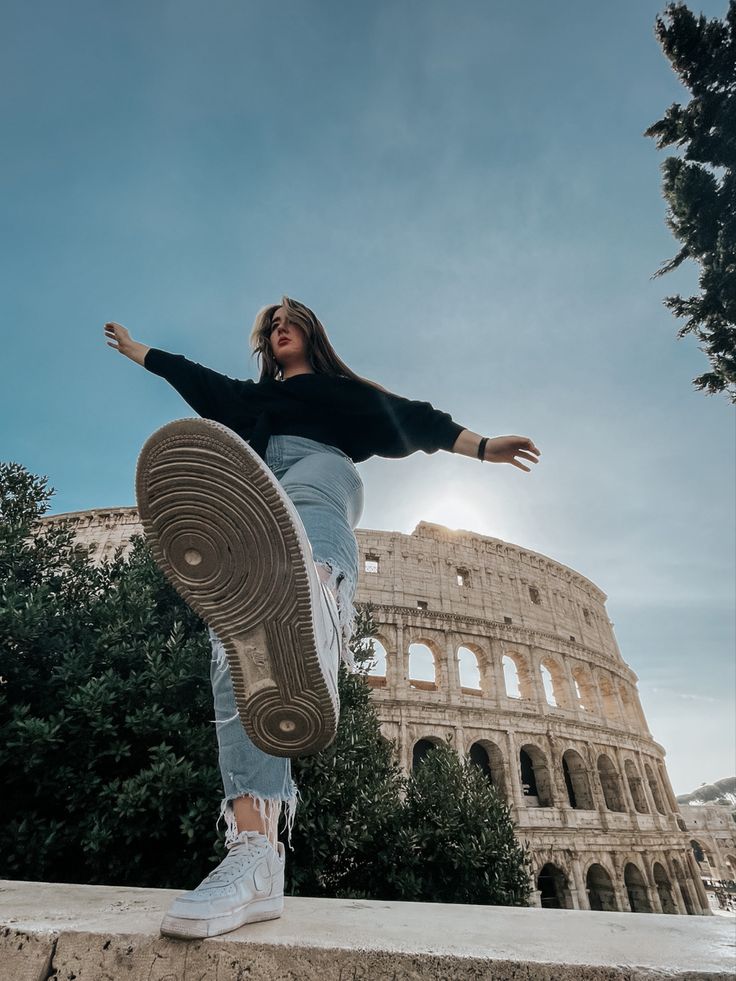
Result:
[503,449]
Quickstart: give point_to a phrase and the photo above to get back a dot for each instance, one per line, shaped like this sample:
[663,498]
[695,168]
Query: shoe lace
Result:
[241,848]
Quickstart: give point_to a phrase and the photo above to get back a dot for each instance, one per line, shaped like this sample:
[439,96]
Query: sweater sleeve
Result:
[409,426]
[232,402]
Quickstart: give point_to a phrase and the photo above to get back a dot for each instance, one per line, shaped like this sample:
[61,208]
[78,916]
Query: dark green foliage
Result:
[107,755]
[457,837]
[700,185]
[108,752]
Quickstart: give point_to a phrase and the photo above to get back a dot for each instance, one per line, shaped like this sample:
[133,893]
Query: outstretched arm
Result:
[212,395]
[500,449]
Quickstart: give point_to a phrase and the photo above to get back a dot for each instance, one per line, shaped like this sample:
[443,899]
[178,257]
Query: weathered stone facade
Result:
[712,828]
[554,720]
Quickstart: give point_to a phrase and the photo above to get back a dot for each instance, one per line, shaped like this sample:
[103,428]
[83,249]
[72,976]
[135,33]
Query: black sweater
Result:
[360,420]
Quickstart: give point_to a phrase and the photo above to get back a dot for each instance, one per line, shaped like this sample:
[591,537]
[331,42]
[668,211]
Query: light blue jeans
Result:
[326,489]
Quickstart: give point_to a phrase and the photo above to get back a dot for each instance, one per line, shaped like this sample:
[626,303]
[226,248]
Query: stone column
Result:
[676,889]
[700,893]
[537,696]
[400,673]
[454,693]
[579,891]
[495,668]
[514,774]
[572,693]
[559,787]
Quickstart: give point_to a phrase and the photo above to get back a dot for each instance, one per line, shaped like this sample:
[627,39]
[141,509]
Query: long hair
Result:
[321,355]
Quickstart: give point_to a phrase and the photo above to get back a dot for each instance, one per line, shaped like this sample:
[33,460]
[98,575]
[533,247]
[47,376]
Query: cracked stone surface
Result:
[104,933]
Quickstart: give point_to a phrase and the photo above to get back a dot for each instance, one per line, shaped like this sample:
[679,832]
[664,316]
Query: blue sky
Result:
[463,194]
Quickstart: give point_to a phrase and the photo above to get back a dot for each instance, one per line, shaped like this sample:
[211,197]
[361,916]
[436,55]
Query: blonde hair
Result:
[321,355]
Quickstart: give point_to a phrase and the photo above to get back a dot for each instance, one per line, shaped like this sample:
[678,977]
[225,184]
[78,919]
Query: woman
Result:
[250,512]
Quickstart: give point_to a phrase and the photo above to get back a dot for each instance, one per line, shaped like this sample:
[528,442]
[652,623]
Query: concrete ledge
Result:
[103,933]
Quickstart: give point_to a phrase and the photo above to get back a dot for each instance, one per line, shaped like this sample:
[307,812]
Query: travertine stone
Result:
[106,933]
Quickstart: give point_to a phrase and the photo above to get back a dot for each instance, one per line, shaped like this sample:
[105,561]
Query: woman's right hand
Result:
[119,339]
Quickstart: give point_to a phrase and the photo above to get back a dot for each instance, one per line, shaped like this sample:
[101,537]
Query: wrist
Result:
[138,352]
[468,443]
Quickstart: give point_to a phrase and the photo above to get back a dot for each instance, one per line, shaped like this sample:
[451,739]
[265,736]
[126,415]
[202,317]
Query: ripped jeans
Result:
[327,492]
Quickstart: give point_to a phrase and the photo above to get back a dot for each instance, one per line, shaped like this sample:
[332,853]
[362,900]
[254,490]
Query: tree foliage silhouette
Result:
[699,186]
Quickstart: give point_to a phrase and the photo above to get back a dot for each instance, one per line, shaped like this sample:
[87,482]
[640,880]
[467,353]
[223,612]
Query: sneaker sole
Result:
[228,540]
[198,929]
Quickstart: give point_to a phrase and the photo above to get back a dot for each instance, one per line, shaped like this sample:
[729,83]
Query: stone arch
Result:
[421,747]
[610,782]
[576,780]
[511,677]
[554,887]
[548,685]
[636,889]
[635,786]
[536,781]
[558,682]
[599,886]
[423,661]
[518,672]
[469,670]
[584,688]
[698,851]
[488,756]
[684,889]
[664,888]
[608,695]
[730,862]
[379,664]
[654,788]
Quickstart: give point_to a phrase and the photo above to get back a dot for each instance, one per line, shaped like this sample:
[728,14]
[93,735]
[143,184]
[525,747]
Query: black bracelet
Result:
[482,448]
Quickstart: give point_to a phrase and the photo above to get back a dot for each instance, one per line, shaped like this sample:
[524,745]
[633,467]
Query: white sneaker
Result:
[246,887]
[230,541]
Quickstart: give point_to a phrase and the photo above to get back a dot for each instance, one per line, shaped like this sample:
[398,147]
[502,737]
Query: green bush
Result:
[108,751]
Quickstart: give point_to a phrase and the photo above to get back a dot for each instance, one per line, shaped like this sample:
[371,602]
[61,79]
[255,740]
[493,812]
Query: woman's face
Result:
[288,341]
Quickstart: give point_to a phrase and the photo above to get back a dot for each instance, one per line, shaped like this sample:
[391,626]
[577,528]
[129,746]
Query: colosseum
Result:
[513,656]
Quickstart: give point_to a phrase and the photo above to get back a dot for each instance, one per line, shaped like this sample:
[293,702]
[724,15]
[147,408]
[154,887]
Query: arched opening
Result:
[682,883]
[489,758]
[598,885]
[554,888]
[554,682]
[664,889]
[584,689]
[548,685]
[731,866]
[636,890]
[421,748]
[698,851]
[376,675]
[610,784]
[535,777]
[511,677]
[468,671]
[576,780]
[654,788]
[422,673]
[635,786]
